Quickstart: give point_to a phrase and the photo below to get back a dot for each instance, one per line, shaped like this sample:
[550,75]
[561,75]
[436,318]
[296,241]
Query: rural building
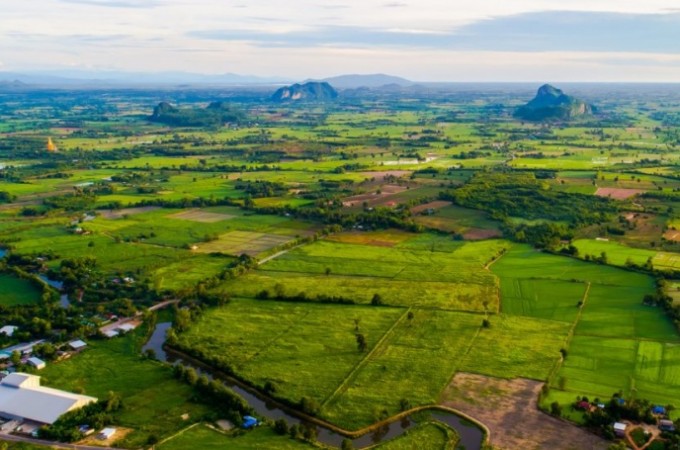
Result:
[110,333]
[22,398]
[127,327]
[106,434]
[8,330]
[620,429]
[77,345]
[37,363]
[666,425]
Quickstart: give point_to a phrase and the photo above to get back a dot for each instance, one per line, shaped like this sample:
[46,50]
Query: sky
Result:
[423,40]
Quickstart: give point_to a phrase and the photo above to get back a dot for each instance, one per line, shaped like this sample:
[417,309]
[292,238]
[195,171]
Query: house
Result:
[38,363]
[106,434]
[77,345]
[22,398]
[666,425]
[620,429]
[127,327]
[8,330]
[110,333]
[249,422]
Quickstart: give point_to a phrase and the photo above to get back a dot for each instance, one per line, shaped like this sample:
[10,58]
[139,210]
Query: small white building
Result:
[127,327]
[8,330]
[620,429]
[110,333]
[38,363]
[77,345]
[106,434]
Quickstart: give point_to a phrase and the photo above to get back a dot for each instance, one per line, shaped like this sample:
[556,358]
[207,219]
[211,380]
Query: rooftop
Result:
[21,396]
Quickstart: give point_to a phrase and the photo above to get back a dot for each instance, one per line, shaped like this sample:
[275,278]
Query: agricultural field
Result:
[366,254]
[15,291]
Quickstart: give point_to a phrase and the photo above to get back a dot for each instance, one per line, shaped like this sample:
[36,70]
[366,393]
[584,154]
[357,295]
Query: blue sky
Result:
[429,40]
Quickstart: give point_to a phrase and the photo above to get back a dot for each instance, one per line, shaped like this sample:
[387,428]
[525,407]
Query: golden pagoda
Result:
[50,146]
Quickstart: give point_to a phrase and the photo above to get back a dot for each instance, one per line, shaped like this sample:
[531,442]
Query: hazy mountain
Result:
[312,91]
[370,81]
[116,78]
[551,103]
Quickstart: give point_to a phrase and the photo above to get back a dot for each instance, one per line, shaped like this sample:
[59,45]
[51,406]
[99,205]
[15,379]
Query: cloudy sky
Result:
[428,40]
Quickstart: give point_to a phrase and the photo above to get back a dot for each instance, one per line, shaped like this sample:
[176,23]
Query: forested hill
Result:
[215,114]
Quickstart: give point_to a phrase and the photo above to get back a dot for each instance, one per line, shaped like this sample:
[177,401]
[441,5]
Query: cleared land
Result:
[618,193]
[242,242]
[199,215]
[509,409]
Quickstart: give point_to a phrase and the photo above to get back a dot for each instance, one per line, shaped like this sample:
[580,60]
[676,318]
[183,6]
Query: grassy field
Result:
[205,438]
[15,291]
[146,387]
[405,274]
[431,435]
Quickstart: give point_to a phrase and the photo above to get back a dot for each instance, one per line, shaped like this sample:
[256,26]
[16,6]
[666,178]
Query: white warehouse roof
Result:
[22,397]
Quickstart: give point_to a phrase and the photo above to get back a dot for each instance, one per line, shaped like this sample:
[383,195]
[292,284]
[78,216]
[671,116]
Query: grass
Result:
[402,275]
[147,388]
[15,291]
[430,435]
[206,438]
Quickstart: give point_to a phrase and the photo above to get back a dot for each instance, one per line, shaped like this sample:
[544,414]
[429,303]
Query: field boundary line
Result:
[364,360]
[570,336]
[177,434]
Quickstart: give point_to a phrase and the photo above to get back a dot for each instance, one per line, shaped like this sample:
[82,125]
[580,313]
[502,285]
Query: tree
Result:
[555,409]
[346,445]
[376,300]
[328,271]
[281,427]
[361,342]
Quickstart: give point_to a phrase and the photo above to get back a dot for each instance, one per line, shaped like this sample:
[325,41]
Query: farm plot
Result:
[546,299]
[199,215]
[305,350]
[618,193]
[401,367]
[113,214]
[455,281]
[188,271]
[16,291]
[471,223]
[243,242]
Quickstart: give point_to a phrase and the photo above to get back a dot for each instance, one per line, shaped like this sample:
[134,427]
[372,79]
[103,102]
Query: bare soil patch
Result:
[618,193]
[374,198]
[381,175]
[120,213]
[478,234]
[198,215]
[509,409]
[432,205]
[672,235]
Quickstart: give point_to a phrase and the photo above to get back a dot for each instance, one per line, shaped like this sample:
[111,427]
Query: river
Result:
[471,436]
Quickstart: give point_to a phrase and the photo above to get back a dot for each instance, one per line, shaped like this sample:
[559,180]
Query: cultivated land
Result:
[389,250]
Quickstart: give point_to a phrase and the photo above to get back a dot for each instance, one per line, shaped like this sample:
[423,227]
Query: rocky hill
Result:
[313,91]
[551,103]
[215,114]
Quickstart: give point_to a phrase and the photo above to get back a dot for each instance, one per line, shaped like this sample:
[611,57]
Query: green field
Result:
[205,438]
[146,387]
[15,291]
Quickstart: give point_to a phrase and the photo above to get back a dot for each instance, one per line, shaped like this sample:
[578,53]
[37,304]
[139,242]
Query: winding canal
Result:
[471,436]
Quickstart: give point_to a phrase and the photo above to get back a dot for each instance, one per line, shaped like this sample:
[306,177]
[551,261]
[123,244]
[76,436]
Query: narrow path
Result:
[364,360]
[276,255]
[163,305]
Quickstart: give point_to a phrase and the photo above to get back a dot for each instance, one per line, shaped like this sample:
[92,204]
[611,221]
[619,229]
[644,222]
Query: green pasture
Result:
[15,291]
[147,388]
[206,438]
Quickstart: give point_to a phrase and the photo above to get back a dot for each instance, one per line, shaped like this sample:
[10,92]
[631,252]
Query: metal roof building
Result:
[22,397]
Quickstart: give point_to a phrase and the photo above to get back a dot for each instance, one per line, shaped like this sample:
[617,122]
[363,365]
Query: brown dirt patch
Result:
[387,238]
[477,234]
[381,175]
[617,193]
[509,409]
[197,215]
[672,235]
[119,213]
[373,198]
[432,205]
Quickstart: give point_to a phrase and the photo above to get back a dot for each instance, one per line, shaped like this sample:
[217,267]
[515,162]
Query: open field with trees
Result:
[350,259]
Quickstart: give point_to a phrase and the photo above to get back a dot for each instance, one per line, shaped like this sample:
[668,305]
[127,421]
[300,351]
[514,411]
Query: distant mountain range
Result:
[74,78]
[368,81]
